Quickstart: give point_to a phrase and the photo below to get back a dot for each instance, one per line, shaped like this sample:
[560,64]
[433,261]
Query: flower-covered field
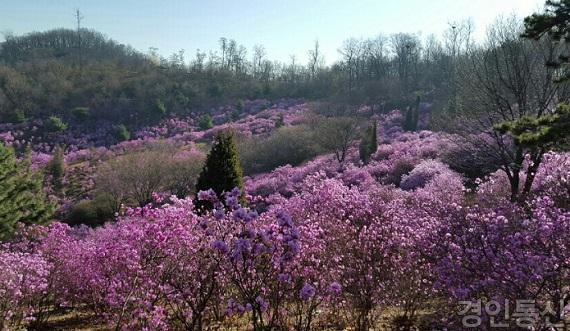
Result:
[399,243]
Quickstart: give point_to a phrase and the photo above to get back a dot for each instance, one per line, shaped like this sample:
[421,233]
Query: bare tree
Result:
[133,178]
[350,55]
[258,58]
[505,81]
[337,135]
[316,60]
[458,42]
[406,48]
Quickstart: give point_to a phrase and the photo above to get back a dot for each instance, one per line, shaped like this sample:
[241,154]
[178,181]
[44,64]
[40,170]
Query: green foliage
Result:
[55,124]
[554,22]
[22,199]
[240,105]
[416,114]
[369,143]
[374,138]
[121,133]
[80,113]
[160,108]
[402,167]
[55,169]
[234,116]
[205,122]
[548,131]
[222,171]
[408,120]
[17,116]
[90,212]
[288,145]
[279,122]
[215,91]
[412,117]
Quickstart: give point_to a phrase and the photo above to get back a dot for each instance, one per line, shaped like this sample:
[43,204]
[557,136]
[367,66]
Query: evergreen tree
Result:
[121,133]
[416,115]
[374,138]
[279,122]
[408,120]
[368,144]
[363,150]
[551,131]
[554,22]
[56,169]
[412,117]
[22,199]
[206,122]
[222,171]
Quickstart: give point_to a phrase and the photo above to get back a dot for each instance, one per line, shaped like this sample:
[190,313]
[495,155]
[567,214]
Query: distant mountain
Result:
[69,45]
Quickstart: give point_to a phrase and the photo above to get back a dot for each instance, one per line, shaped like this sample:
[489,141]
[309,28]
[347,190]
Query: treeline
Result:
[54,72]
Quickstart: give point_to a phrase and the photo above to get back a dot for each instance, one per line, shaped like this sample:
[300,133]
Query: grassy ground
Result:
[86,321]
[74,320]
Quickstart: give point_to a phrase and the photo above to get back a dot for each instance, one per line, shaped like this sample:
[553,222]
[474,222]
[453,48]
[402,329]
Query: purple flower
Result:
[203,224]
[283,277]
[235,192]
[241,246]
[263,305]
[234,307]
[220,246]
[307,292]
[208,195]
[284,220]
[335,288]
[293,246]
[219,214]
[251,216]
[241,214]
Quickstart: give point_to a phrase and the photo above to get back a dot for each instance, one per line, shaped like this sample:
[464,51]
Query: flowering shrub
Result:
[321,245]
[23,286]
[505,254]
[423,173]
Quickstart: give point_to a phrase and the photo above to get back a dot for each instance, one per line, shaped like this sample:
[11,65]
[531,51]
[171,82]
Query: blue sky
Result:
[284,27]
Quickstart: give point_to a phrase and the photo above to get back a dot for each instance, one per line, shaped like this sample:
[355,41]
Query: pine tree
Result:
[554,22]
[550,131]
[222,171]
[22,199]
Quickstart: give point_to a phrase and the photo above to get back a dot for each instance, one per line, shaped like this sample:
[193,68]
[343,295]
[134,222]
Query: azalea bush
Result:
[395,243]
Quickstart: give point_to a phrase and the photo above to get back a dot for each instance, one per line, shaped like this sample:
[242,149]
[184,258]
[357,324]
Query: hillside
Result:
[415,183]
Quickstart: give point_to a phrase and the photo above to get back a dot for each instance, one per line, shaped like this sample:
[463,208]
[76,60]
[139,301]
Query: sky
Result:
[283,27]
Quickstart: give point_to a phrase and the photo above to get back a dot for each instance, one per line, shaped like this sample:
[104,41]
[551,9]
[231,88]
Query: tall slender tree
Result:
[56,169]
[222,171]
[369,143]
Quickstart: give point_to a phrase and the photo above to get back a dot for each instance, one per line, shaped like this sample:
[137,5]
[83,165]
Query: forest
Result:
[416,183]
